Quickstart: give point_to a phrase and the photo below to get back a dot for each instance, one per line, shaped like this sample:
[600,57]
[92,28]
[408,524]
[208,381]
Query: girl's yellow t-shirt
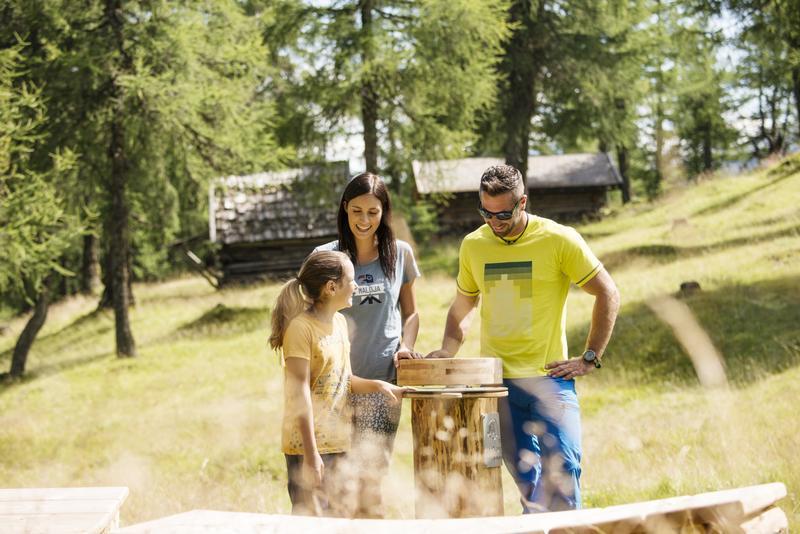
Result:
[327,348]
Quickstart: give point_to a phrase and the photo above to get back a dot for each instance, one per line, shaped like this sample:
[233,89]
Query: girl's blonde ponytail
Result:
[290,303]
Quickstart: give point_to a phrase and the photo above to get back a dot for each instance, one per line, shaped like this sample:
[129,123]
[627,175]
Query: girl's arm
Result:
[364,385]
[298,376]
[410,317]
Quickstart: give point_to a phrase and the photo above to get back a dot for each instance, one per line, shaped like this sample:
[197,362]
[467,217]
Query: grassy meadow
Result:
[194,421]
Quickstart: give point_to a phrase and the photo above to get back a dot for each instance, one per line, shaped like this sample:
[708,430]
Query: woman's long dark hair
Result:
[364,183]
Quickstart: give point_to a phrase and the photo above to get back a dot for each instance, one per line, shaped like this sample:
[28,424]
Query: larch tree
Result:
[557,53]
[593,103]
[153,96]
[702,103]
[35,227]
[408,77]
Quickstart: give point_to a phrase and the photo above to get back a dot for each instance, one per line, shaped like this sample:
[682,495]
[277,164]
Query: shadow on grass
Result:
[90,325]
[754,327]
[590,235]
[222,319]
[218,321]
[659,254]
[730,201]
[50,369]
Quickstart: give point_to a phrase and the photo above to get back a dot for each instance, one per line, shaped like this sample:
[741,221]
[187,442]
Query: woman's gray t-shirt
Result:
[374,318]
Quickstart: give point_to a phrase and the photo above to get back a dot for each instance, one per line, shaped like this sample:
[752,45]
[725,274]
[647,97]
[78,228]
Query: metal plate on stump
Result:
[492,453]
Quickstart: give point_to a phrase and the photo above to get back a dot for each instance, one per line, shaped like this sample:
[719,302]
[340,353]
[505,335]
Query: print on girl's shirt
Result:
[368,290]
[331,340]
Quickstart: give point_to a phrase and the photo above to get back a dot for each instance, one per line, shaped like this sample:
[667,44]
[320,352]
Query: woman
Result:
[383,323]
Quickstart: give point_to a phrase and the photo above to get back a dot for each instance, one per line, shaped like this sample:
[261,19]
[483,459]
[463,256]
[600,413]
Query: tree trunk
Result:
[90,278]
[369,97]
[622,163]
[520,103]
[28,335]
[106,301]
[394,163]
[659,118]
[119,239]
[105,297]
[796,91]
[659,133]
[708,162]
[120,242]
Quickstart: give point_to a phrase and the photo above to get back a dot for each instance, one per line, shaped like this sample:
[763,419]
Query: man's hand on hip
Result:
[569,369]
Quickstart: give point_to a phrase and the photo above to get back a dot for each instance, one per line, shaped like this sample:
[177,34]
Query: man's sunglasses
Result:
[499,215]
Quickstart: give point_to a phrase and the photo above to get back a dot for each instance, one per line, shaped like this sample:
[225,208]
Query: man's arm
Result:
[455,330]
[604,315]
[604,312]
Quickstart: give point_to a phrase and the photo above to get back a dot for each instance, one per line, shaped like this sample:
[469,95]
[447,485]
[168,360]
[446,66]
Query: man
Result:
[522,266]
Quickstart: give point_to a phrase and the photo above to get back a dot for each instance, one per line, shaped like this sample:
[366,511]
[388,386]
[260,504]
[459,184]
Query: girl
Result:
[383,323]
[312,336]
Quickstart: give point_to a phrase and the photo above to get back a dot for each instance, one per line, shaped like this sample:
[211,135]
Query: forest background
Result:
[116,115]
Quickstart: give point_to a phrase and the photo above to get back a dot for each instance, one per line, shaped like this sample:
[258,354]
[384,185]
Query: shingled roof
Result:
[281,205]
[544,172]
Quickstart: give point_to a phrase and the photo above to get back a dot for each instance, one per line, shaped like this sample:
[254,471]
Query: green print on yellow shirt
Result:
[508,287]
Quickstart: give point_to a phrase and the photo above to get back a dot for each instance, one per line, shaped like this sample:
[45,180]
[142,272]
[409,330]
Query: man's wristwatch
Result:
[590,356]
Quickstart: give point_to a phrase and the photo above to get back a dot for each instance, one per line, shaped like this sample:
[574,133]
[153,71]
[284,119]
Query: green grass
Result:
[193,422]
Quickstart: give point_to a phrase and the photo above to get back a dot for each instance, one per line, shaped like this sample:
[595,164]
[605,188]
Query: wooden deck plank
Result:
[772,520]
[54,494]
[67,510]
[53,523]
[653,516]
[61,506]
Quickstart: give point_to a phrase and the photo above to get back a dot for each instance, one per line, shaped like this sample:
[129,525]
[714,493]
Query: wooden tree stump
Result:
[456,428]
[457,455]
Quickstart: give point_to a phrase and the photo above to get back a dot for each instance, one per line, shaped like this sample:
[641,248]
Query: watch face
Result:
[589,355]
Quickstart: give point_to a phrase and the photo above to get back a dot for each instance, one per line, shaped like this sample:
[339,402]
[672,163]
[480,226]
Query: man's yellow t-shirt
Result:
[523,288]
[327,348]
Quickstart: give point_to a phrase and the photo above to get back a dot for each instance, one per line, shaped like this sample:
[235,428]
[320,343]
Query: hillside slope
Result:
[193,421]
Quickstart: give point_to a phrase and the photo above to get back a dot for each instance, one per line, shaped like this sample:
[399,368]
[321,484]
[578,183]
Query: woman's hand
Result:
[313,470]
[404,353]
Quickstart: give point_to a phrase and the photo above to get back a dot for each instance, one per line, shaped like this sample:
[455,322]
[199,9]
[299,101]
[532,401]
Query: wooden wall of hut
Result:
[566,205]
[260,260]
[460,215]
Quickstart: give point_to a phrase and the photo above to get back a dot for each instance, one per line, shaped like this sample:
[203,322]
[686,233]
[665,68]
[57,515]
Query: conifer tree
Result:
[152,95]
[771,28]
[35,228]
[702,104]
[408,77]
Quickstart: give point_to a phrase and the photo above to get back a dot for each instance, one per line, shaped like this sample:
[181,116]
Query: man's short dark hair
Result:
[499,179]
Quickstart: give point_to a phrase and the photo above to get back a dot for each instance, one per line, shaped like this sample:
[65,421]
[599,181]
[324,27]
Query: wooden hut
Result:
[265,224]
[562,187]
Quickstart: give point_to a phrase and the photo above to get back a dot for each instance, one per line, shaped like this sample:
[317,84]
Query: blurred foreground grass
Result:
[194,421]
